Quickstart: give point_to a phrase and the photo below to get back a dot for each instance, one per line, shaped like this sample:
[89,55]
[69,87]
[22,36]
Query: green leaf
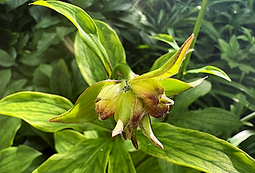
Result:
[111,43]
[60,80]
[15,159]
[90,67]
[241,136]
[120,159]
[211,70]
[66,139]
[175,86]
[170,167]
[167,39]
[207,119]
[5,77]
[184,99]
[15,86]
[86,28]
[9,127]
[89,155]
[197,150]
[37,108]
[12,4]
[171,67]
[162,60]
[84,108]
[5,59]
[149,164]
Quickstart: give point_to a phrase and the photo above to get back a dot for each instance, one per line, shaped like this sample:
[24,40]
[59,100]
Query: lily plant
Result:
[132,99]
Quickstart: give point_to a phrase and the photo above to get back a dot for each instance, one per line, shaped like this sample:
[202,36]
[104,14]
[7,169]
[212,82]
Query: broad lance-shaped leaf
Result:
[120,160]
[90,66]
[175,86]
[9,127]
[37,108]
[17,159]
[197,150]
[171,67]
[211,70]
[84,108]
[207,119]
[86,27]
[89,155]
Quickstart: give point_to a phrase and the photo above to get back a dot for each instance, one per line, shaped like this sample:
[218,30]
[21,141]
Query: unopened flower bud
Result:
[128,111]
[107,100]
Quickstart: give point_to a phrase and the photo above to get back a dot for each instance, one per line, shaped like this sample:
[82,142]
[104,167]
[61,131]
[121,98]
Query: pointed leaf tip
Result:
[172,65]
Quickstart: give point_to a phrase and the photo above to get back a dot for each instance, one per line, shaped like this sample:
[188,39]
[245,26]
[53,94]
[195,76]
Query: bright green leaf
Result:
[37,108]
[89,155]
[211,70]
[9,127]
[171,67]
[170,167]
[184,99]
[111,43]
[174,86]
[241,136]
[120,159]
[66,139]
[162,60]
[197,150]
[207,119]
[85,25]
[90,66]
[167,39]
[84,108]
[17,159]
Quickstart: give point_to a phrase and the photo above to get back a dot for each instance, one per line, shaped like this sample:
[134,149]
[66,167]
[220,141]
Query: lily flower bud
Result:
[128,112]
[151,91]
[107,99]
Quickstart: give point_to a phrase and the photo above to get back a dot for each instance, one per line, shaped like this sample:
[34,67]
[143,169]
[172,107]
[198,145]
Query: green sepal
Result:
[175,86]
[145,126]
[84,108]
[171,67]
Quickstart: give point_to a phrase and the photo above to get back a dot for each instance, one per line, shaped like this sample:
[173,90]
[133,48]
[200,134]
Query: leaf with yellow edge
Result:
[211,70]
[86,28]
[84,108]
[175,86]
[171,67]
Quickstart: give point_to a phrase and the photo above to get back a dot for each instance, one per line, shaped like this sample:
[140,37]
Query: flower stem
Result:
[195,31]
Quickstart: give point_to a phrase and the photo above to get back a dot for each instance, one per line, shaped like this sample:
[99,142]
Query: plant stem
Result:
[195,31]
[248,117]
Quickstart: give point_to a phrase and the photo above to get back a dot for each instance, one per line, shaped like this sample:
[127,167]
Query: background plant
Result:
[239,93]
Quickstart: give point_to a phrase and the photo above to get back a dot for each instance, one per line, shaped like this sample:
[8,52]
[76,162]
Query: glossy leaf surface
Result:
[190,148]
[13,159]
[175,86]
[9,127]
[89,155]
[211,70]
[37,108]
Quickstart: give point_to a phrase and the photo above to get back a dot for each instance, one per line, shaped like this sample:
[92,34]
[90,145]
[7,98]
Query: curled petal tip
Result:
[118,128]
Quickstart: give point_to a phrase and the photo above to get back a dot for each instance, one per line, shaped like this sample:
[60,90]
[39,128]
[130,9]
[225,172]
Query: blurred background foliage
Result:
[36,53]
